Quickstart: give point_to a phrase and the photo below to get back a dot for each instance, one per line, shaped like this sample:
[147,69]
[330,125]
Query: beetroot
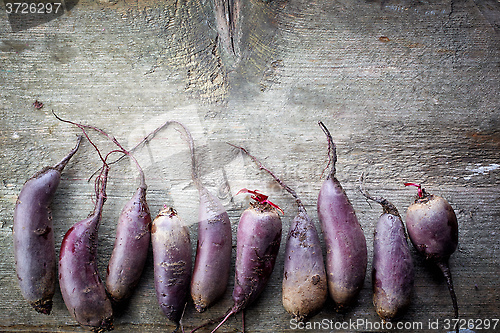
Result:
[81,286]
[213,252]
[433,229]
[392,268]
[346,252]
[172,262]
[257,244]
[33,233]
[131,246]
[133,235]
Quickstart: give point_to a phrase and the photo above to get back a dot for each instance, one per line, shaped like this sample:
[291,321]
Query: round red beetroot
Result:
[433,229]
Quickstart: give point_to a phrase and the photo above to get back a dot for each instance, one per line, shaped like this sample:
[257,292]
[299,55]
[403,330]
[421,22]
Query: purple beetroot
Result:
[257,244]
[433,229]
[33,233]
[392,266]
[346,252]
[213,252]
[81,286]
[130,251]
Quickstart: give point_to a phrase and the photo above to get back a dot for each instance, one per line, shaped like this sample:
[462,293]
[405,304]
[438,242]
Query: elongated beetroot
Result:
[172,262]
[346,252]
[257,244]
[392,266]
[33,233]
[304,288]
[213,252]
[81,286]
[130,251]
[433,229]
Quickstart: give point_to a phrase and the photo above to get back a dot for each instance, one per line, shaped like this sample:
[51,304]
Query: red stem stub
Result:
[260,198]
[420,191]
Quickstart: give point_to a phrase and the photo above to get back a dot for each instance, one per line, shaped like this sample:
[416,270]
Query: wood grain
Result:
[408,89]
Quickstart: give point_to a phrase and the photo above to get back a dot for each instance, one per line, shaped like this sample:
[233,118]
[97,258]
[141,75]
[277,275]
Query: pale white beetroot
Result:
[81,286]
[257,244]
[433,229]
[304,285]
[172,262]
[346,251]
[392,267]
[33,234]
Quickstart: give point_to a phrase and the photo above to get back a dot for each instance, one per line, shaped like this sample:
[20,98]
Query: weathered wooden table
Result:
[409,90]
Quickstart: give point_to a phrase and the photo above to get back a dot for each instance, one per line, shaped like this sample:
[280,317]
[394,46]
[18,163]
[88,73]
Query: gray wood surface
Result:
[409,90]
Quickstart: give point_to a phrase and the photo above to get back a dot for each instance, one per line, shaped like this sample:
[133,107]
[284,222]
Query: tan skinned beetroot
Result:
[304,279]
[33,233]
[172,262]
[433,229]
[346,251]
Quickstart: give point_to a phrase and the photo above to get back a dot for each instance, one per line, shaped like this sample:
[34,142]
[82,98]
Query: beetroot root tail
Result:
[445,268]
[230,313]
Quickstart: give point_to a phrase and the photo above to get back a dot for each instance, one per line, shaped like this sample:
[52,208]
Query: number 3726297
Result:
[33,8]
[473,324]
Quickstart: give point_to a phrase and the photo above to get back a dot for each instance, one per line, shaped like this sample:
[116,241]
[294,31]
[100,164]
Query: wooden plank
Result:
[408,89]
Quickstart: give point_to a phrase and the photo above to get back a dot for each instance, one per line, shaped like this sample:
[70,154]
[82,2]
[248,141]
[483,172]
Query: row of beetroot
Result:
[431,225]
